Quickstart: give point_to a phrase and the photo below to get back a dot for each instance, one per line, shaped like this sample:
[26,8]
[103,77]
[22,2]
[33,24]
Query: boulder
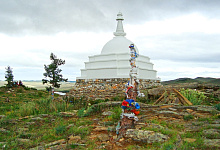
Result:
[44,115]
[13,121]
[22,129]
[146,136]
[57,147]
[100,128]
[107,113]
[211,133]
[67,114]
[30,123]
[217,121]
[23,140]
[216,126]
[74,139]
[191,128]
[103,137]
[189,140]
[37,118]
[2,116]
[169,114]
[70,125]
[156,91]
[207,109]
[212,143]
[2,130]
[155,126]
[62,141]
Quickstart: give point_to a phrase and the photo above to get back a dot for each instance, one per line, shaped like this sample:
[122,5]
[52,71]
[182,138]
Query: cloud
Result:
[27,54]
[21,17]
[193,47]
[168,70]
[176,35]
[190,37]
[49,17]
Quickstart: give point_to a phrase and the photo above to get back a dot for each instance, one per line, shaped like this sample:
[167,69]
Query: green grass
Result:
[43,131]
[198,144]
[195,97]
[169,130]
[116,114]
[81,131]
[217,106]
[188,117]
[41,106]
[60,129]
[173,132]
[27,101]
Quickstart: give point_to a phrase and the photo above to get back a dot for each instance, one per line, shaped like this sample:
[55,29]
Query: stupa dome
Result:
[118,44]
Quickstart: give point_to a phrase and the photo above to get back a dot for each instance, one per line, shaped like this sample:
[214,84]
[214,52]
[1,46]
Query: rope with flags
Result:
[129,106]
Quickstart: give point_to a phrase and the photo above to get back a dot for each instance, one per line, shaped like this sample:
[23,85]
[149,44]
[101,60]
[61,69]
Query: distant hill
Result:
[215,81]
[206,80]
[179,80]
[190,80]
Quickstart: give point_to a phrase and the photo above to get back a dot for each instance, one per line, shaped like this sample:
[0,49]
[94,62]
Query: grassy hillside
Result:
[179,80]
[206,80]
[32,120]
[215,81]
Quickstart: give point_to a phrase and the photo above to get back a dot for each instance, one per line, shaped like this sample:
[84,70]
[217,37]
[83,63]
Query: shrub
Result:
[78,103]
[217,106]
[169,146]
[83,131]
[28,88]
[117,112]
[43,106]
[81,112]
[98,101]
[83,122]
[27,109]
[188,117]
[117,98]
[60,129]
[194,96]
[20,90]
[40,93]
[90,110]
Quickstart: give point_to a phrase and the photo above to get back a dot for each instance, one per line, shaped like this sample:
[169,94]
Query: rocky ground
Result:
[159,127]
[212,91]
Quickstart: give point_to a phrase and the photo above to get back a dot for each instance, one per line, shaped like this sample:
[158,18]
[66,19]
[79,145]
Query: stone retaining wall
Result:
[106,88]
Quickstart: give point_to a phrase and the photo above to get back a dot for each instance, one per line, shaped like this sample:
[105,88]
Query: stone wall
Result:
[106,88]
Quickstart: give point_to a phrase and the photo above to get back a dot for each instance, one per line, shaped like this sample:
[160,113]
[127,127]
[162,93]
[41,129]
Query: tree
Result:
[9,76]
[52,74]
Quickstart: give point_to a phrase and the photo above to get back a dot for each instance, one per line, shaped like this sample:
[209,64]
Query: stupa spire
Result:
[119,29]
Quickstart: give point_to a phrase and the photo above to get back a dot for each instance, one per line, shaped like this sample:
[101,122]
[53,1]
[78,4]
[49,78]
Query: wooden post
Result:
[128,116]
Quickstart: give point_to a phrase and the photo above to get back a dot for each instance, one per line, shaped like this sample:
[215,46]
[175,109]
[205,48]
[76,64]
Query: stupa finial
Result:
[119,29]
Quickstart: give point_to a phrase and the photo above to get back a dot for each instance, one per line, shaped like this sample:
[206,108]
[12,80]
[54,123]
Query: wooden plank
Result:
[159,99]
[184,98]
[181,100]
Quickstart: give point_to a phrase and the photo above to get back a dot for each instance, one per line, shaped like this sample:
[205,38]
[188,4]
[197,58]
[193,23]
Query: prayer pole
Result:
[129,106]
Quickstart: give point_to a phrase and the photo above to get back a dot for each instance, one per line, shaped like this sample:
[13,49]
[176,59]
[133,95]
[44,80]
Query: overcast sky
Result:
[182,37]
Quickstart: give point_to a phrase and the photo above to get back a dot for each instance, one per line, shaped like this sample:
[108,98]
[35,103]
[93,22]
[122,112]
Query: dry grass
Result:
[38,85]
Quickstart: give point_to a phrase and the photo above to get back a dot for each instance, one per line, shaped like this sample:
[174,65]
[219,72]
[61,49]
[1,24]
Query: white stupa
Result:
[113,62]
